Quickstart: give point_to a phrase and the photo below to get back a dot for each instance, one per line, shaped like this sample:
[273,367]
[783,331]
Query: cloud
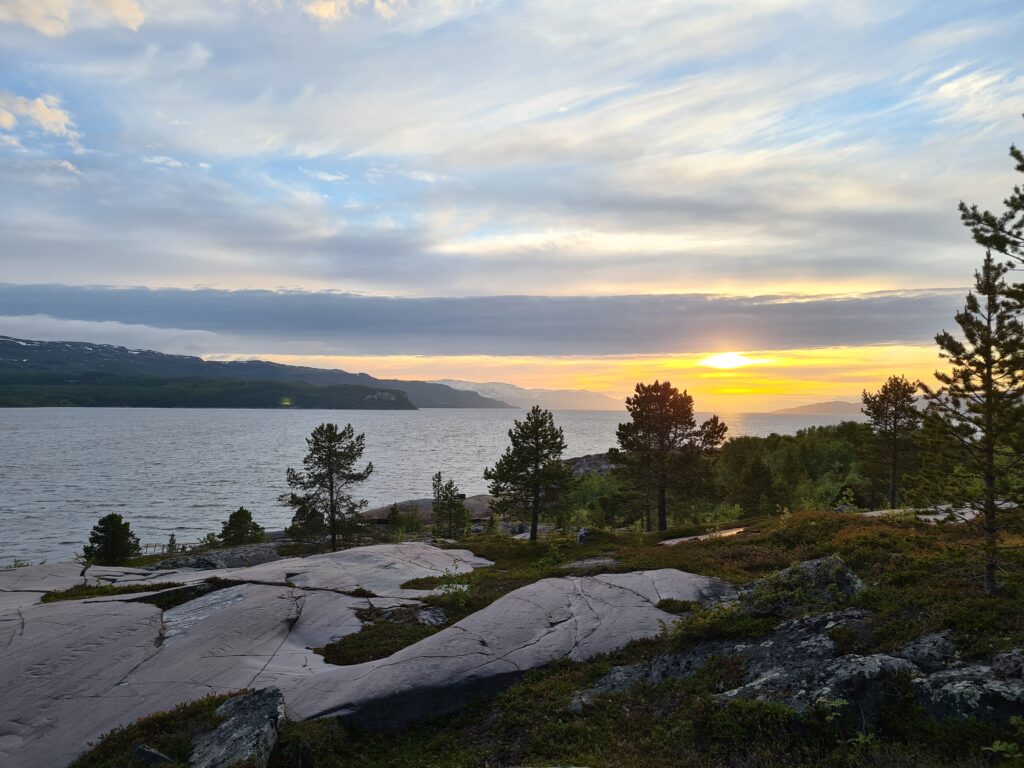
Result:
[169,340]
[300,322]
[55,18]
[44,111]
[328,12]
[330,178]
[163,160]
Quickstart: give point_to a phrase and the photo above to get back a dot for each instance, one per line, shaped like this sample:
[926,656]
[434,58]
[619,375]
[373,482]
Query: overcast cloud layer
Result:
[475,147]
[218,322]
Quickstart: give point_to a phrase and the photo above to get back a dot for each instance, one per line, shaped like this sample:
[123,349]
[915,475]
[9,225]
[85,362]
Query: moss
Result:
[168,732]
[678,607]
[83,591]
[383,633]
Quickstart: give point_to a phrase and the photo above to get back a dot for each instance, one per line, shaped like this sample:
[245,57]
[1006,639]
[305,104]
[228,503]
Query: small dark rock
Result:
[1009,665]
[246,735]
[930,653]
[432,616]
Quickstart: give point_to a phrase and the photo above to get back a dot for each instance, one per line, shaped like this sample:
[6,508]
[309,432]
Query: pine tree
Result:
[322,491]
[978,407]
[530,474]
[450,516]
[172,545]
[240,528]
[664,438]
[1002,233]
[893,416]
[111,541]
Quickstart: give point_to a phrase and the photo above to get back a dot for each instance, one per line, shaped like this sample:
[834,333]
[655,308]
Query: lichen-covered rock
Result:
[812,584]
[864,685]
[971,691]
[233,557]
[930,653]
[798,665]
[247,734]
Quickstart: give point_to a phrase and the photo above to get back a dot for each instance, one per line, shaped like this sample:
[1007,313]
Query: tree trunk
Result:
[662,518]
[534,517]
[990,529]
[892,477]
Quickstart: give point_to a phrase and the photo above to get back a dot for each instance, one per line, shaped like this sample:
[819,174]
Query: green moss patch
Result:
[383,634]
[83,591]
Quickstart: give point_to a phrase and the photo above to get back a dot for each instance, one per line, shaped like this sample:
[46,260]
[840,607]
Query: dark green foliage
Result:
[308,527]
[978,408]
[240,528]
[662,442]
[24,390]
[450,516]
[168,732]
[111,541]
[382,634]
[530,474]
[320,495]
[894,419]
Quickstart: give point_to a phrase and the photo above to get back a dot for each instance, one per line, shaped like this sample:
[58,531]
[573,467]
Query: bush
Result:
[111,541]
[239,528]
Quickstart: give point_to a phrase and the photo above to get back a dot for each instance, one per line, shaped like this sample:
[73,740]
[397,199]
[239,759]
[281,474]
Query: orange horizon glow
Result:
[750,380]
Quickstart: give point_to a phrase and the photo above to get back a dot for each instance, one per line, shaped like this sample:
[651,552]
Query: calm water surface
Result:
[184,471]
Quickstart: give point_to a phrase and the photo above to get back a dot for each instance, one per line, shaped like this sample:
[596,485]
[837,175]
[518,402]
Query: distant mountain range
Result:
[552,399]
[65,373]
[831,408]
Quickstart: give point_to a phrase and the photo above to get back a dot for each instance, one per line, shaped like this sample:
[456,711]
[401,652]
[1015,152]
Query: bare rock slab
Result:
[562,618]
[62,667]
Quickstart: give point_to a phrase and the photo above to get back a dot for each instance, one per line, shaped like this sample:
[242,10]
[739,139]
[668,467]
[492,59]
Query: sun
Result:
[731,360]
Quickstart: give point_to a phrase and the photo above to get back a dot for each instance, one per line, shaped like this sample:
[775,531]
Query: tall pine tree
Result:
[977,408]
[1003,232]
[663,437]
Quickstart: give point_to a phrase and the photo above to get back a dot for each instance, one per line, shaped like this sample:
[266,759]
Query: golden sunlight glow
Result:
[783,378]
[732,360]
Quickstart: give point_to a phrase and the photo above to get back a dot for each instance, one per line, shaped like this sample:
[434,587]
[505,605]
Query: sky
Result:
[753,198]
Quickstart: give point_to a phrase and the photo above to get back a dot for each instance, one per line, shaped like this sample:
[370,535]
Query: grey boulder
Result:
[247,734]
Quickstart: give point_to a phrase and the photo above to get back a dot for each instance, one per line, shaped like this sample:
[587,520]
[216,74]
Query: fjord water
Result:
[185,470]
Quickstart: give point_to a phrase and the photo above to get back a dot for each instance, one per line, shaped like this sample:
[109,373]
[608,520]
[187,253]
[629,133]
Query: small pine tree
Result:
[322,489]
[308,526]
[894,418]
[172,545]
[240,528]
[111,541]
[978,408]
[530,474]
[451,518]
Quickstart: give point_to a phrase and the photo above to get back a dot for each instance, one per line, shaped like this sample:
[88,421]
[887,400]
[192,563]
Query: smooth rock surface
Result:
[247,734]
[563,618]
[380,569]
[41,578]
